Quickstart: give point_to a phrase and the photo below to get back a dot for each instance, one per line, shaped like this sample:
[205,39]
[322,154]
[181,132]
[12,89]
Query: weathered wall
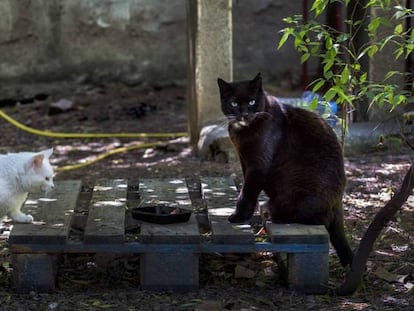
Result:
[129,40]
[103,38]
[256,34]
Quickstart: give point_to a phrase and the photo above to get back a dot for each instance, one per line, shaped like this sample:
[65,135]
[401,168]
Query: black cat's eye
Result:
[234,104]
[252,102]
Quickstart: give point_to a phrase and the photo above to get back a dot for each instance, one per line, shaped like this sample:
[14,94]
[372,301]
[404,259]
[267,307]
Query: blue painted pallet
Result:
[104,209]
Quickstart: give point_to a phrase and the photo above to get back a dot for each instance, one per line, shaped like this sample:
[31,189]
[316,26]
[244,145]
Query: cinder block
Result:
[34,272]
[171,271]
[308,272]
[305,272]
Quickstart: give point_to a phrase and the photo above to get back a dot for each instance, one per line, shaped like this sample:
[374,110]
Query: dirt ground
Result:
[95,283]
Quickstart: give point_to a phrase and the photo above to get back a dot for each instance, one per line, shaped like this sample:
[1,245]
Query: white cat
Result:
[21,173]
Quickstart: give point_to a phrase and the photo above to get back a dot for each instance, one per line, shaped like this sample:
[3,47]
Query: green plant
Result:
[343,76]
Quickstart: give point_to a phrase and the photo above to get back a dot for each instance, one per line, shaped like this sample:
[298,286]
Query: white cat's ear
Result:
[37,160]
[48,152]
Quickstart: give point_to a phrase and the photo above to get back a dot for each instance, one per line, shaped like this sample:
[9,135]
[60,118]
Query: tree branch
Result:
[386,213]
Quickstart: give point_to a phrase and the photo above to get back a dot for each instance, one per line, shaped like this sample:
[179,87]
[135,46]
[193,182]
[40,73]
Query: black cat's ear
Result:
[225,88]
[221,83]
[256,83]
[258,77]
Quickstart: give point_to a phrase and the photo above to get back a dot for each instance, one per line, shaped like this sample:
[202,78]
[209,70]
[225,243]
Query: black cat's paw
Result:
[243,212]
[236,218]
[239,217]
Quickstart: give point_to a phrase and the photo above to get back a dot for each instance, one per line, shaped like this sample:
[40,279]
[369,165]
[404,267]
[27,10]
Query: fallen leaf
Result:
[242,272]
[386,275]
[209,305]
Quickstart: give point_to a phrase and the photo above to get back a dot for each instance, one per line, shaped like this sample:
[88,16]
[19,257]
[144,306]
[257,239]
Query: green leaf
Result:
[314,103]
[398,29]
[372,50]
[401,11]
[319,6]
[328,43]
[304,57]
[328,75]
[298,42]
[385,41]
[328,65]
[363,77]
[286,33]
[318,85]
[330,94]
[374,24]
[390,74]
[398,52]
[342,96]
[315,49]
[345,75]
[288,20]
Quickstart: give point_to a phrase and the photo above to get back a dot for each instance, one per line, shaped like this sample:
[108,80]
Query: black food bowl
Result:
[161,214]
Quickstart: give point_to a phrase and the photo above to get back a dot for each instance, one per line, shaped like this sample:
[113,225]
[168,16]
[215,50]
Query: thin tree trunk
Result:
[354,276]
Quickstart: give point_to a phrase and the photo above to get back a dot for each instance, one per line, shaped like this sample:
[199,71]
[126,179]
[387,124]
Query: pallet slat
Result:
[106,221]
[173,270]
[297,233]
[220,195]
[52,215]
[170,192]
[140,248]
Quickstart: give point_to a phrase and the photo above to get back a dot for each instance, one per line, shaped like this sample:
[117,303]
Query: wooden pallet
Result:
[169,254]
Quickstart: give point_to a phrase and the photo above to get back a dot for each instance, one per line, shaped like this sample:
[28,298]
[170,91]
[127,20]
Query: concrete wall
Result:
[256,34]
[130,40]
[108,39]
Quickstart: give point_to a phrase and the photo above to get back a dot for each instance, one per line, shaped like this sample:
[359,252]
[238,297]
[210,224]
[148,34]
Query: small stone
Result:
[53,306]
[63,105]
[214,144]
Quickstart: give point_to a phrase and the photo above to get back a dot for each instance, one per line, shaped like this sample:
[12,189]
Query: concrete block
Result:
[215,144]
[34,272]
[308,273]
[172,271]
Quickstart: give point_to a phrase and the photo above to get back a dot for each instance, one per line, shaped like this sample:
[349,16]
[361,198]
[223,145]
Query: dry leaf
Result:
[386,275]
[242,272]
[209,305]
[409,286]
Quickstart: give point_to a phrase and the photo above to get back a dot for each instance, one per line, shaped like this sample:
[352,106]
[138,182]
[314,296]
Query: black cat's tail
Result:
[340,242]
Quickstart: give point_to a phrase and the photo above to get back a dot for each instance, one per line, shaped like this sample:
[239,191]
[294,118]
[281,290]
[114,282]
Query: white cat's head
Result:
[38,172]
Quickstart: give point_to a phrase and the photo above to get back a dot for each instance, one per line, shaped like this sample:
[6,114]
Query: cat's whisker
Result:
[224,122]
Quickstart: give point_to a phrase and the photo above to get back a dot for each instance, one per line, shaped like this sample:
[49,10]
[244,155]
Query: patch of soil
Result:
[111,283]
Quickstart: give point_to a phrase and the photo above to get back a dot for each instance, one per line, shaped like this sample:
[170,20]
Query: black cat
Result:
[291,154]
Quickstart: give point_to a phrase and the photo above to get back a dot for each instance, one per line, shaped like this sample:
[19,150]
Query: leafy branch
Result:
[343,79]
